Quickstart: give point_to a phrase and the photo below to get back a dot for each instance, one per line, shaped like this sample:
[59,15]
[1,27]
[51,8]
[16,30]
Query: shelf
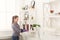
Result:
[55,16]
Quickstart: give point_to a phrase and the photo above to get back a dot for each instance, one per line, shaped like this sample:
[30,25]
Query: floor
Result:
[50,34]
[5,35]
[44,35]
[6,39]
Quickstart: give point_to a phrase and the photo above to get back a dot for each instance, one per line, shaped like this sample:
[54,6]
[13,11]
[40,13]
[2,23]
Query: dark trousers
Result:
[15,37]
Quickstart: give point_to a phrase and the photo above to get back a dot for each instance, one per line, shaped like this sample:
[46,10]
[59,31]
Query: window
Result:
[8,8]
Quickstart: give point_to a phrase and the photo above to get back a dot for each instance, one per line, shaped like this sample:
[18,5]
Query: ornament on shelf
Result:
[51,11]
[33,4]
[26,15]
[26,27]
[25,8]
[32,17]
[59,13]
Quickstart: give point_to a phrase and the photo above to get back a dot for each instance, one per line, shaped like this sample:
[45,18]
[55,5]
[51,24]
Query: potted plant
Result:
[34,26]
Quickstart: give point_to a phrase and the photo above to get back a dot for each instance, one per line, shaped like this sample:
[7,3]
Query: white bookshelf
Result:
[31,12]
[51,20]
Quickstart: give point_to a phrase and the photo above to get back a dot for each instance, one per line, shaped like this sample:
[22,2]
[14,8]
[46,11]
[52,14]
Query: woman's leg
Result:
[15,37]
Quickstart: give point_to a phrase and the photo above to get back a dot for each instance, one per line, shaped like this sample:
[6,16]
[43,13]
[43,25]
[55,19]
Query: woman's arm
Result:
[16,29]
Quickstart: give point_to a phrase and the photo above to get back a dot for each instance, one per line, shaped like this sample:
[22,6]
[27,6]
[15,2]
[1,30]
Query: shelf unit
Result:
[31,13]
[50,19]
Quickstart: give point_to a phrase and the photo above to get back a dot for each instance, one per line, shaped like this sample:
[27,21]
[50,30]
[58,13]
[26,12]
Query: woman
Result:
[16,28]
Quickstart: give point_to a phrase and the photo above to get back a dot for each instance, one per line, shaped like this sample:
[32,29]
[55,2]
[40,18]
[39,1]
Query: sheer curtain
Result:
[8,8]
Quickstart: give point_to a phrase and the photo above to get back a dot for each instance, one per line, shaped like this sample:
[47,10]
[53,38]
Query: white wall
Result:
[8,8]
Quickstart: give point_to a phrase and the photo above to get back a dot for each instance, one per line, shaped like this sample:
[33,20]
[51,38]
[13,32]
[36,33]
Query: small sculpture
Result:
[33,4]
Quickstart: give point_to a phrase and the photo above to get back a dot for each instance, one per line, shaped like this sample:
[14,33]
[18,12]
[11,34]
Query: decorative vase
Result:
[51,11]
[34,28]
